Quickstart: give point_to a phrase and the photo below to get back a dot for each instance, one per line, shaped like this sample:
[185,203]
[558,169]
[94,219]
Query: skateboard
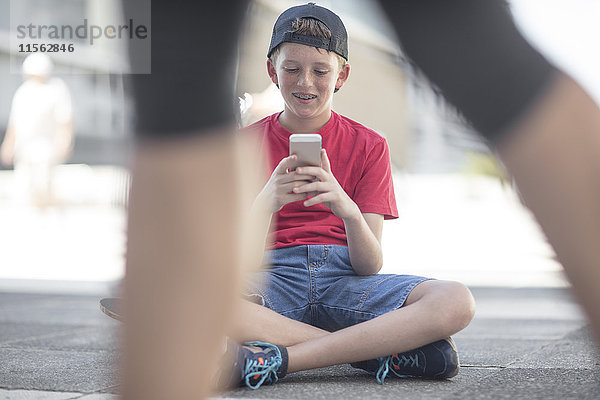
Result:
[112,307]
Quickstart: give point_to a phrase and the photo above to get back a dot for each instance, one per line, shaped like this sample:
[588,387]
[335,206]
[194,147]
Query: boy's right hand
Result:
[278,190]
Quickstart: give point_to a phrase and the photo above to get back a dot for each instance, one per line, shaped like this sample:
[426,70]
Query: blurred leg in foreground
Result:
[182,266]
[554,155]
[184,226]
[542,123]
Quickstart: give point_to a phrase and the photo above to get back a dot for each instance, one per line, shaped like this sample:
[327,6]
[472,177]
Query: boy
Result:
[321,300]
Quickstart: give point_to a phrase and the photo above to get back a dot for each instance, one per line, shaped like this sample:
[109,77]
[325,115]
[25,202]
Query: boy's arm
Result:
[276,193]
[261,215]
[364,242]
[363,231]
[375,222]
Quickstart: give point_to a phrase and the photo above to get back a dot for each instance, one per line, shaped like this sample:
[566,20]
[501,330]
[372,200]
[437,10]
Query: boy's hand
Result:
[278,191]
[327,190]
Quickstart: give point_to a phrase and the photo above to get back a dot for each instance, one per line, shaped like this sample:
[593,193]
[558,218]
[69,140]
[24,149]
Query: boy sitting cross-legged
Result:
[321,300]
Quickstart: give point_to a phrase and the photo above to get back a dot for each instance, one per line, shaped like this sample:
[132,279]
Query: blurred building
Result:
[384,92]
[99,102]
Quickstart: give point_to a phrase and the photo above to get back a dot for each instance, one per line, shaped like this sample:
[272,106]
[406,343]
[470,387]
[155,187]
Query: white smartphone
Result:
[307,146]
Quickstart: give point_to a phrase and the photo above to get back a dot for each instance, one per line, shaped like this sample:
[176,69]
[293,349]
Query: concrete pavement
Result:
[523,343]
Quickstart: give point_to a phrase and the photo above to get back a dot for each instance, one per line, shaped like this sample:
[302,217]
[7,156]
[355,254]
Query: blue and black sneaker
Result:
[254,368]
[438,360]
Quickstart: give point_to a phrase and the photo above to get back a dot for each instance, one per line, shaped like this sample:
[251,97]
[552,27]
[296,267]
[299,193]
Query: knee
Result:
[458,307]
[450,304]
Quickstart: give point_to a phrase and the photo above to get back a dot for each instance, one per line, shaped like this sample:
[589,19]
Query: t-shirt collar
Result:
[323,131]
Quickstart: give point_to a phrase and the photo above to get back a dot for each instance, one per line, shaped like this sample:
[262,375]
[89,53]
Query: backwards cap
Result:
[282,31]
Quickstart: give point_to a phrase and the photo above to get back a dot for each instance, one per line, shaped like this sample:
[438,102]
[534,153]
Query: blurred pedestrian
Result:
[39,135]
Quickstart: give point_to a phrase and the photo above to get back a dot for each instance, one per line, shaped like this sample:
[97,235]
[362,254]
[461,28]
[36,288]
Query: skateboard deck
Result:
[112,307]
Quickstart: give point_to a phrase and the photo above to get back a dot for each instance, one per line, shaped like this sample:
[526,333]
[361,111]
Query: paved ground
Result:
[523,343]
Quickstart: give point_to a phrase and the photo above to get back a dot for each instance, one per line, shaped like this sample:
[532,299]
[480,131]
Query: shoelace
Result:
[267,370]
[396,361]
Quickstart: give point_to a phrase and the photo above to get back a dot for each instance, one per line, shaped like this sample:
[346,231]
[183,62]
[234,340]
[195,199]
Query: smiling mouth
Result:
[304,96]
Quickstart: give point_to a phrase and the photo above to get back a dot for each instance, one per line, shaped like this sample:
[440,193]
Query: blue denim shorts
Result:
[316,284]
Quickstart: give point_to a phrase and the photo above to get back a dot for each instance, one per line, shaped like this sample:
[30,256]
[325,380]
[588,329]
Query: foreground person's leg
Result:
[181,277]
[184,228]
[554,156]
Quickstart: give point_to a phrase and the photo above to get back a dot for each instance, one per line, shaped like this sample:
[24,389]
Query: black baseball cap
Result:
[282,31]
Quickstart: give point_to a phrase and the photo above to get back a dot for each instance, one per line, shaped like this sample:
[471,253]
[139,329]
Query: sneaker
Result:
[253,369]
[438,360]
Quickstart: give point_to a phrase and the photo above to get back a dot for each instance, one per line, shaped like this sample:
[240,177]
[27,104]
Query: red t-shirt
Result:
[360,161]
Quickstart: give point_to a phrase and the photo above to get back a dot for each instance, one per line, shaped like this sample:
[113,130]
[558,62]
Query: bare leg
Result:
[181,279]
[440,310]
[434,310]
[554,156]
[255,322]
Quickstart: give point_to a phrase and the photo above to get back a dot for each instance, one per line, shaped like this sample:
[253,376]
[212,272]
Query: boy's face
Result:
[307,78]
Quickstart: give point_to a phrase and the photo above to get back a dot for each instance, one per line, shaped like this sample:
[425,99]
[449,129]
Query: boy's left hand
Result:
[327,190]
